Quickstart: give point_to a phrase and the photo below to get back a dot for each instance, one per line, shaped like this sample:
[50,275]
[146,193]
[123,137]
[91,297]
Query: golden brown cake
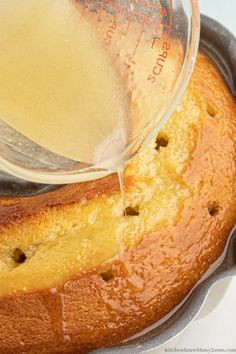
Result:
[76,275]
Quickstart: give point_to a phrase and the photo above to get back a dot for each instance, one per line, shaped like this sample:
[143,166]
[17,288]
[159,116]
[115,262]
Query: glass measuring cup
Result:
[152,45]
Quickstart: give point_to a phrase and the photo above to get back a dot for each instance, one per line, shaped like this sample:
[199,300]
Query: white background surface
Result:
[217,330]
[223,11]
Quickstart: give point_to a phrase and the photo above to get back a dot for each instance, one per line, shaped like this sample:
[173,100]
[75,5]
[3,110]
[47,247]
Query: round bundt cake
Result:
[77,275]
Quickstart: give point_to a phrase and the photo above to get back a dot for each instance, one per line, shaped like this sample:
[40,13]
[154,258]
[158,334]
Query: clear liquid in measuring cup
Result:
[58,87]
[77,77]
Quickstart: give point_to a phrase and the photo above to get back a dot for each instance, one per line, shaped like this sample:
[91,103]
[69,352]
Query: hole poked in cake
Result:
[131,211]
[211,110]
[213,209]
[19,256]
[107,275]
[161,141]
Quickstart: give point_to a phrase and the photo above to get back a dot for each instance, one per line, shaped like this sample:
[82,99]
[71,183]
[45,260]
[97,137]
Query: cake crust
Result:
[115,300]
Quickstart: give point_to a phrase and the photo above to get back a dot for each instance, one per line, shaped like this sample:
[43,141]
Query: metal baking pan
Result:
[220,45]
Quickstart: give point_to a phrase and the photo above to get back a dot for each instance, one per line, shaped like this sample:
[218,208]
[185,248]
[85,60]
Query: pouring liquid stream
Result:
[120,174]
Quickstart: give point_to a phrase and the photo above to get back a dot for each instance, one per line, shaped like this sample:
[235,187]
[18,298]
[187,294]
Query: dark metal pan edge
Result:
[220,45]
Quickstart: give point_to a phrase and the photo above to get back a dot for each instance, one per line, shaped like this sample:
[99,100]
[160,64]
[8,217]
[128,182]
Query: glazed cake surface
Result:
[76,275]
